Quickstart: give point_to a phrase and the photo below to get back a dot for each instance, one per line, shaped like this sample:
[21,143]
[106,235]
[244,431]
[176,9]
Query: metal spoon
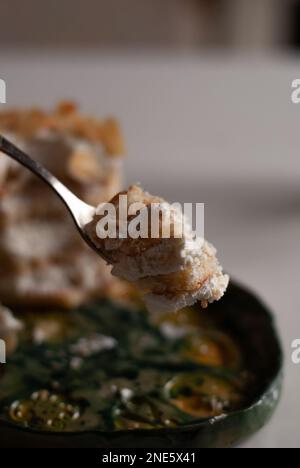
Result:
[81,212]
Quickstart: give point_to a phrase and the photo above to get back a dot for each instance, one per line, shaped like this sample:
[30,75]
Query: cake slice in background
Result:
[43,260]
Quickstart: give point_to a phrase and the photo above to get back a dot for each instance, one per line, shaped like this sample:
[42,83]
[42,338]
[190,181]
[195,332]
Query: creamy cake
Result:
[173,272]
[43,260]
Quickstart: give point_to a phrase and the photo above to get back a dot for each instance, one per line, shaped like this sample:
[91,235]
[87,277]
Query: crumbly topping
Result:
[65,119]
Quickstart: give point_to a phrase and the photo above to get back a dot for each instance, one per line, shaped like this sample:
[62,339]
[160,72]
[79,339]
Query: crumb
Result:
[172,272]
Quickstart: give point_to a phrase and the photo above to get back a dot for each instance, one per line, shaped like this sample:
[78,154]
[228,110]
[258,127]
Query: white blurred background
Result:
[203,92]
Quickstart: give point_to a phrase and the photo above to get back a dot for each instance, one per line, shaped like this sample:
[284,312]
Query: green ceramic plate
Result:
[106,377]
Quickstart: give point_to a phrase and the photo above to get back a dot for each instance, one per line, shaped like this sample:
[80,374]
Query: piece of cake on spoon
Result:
[174,270]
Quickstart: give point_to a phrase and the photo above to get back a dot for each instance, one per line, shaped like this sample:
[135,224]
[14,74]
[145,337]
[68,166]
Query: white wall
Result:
[219,117]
